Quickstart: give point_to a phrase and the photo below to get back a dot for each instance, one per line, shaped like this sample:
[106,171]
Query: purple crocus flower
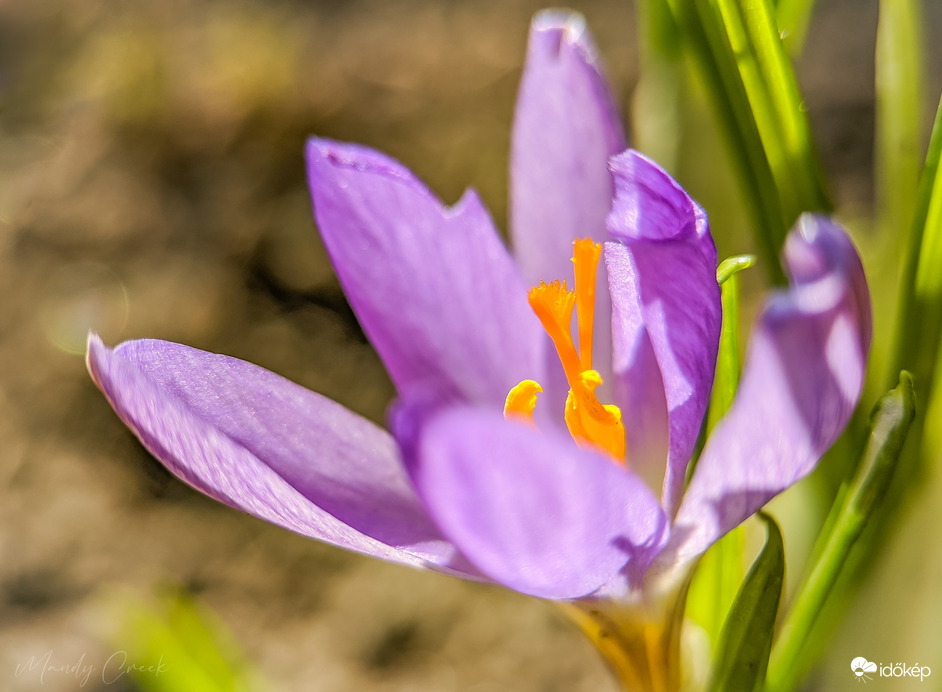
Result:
[577,493]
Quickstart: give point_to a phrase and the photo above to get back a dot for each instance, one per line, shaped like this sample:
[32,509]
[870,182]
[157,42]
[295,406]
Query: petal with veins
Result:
[262,444]
[434,288]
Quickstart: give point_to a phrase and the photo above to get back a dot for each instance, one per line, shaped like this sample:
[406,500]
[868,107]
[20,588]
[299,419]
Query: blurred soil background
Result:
[152,184]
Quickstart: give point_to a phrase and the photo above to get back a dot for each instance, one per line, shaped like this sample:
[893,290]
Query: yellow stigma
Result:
[589,421]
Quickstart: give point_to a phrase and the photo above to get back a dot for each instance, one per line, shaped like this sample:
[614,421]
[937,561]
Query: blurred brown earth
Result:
[151,184]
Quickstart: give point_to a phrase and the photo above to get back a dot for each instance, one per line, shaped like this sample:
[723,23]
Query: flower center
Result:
[589,421]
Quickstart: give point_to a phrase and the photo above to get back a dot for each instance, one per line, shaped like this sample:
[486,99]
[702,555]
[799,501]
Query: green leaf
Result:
[889,424]
[919,318]
[711,58]
[899,113]
[176,646]
[731,266]
[720,570]
[743,656]
[776,105]
[726,379]
[793,17]
[736,47]
[713,588]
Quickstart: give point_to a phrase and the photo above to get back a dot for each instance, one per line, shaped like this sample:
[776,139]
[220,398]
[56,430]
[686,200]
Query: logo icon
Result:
[861,667]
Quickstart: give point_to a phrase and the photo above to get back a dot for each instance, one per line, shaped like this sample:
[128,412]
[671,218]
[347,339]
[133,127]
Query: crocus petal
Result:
[530,509]
[803,376]
[565,129]
[262,444]
[434,288]
[666,309]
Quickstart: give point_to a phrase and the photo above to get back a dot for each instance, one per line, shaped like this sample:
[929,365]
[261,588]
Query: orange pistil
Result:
[553,304]
[589,421]
[585,257]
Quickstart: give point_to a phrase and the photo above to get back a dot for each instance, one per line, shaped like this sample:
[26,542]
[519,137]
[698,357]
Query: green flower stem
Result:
[727,363]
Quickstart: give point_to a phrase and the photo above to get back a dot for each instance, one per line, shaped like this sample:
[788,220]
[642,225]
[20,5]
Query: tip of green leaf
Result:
[733,265]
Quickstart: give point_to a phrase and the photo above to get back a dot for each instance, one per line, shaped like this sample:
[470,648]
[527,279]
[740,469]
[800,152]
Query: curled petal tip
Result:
[93,349]
[327,158]
[92,341]
[555,29]
[649,204]
[818,247]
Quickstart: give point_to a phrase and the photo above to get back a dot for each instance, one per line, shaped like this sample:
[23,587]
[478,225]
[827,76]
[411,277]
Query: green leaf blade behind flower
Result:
[793,17]
[889,425]
[721,569]
[921,288]
[773,94]
[736,47]
[743,655]
[899,90]
[712,60]
[728,367]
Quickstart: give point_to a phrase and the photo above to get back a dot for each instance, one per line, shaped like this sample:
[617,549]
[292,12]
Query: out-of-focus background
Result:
[152,184]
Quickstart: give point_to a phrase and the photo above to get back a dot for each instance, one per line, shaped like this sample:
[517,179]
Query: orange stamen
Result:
[521,401]
[585,257]
[593,423]
[589,421]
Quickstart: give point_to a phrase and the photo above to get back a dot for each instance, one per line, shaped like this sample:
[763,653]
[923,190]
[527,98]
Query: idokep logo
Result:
[864,670]
[862,667]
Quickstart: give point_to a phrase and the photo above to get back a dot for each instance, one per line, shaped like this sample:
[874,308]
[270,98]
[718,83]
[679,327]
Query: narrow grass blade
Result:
[772,89]
[919,317]
[899,93]
[737,49]
[793,17]
[712,60]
